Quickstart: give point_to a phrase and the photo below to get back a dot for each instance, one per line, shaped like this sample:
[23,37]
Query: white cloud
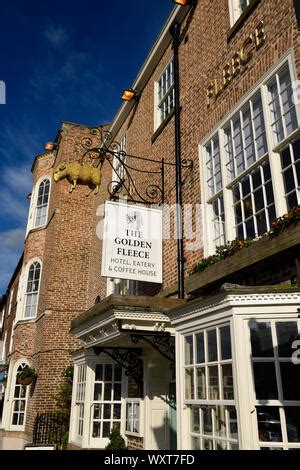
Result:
[18,179]
[13,239]
[57,36]
[14,206]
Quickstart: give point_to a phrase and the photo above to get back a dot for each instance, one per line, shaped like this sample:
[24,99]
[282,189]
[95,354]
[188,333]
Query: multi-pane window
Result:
[32,289]
[80,397]
[239,173]
[218,221]
[118,171]
[19,401]
[107,400]
[42,203]
[290,163]
[133,416]
[276,382]
[213,166]
[209,389]
[123,286]
[245,138]
[282,105]
[253,199]
[165,92]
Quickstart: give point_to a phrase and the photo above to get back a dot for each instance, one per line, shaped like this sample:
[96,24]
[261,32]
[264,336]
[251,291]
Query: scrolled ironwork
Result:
[164,343]
[129,359]
[99,147]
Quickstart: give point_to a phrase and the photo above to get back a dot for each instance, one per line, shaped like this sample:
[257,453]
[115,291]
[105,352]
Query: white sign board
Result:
[132,242]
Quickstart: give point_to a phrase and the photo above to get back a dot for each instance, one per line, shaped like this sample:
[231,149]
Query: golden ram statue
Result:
[81,173]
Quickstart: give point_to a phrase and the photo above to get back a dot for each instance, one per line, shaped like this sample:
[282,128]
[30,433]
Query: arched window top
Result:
[19,404]
[42,202]
[32,289]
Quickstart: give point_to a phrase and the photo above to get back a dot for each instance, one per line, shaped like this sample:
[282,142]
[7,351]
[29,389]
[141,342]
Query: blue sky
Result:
[56,68]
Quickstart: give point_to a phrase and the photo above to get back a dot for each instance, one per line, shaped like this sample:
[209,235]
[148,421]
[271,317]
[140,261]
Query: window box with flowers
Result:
[238,254]
[26,376]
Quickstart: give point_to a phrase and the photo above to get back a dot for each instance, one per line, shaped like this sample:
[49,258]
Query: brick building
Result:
[235,334]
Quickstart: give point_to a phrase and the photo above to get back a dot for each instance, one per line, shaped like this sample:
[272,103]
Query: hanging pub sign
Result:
[132,242]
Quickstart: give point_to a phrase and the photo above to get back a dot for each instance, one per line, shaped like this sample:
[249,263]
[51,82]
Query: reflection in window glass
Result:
[200,348]
[189,384]
[232,419]
[287,332]
[220,421]
[261,339]
[195,415]
[201,383]
[227,381]
[207,420]
[212,345]
[225,342]
[213,383]
[265,380]
[290,377]
[269,427]
[292,416]
[189,349]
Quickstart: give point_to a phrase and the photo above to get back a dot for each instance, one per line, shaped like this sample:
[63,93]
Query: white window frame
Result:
[273,156]
[32,292]
[17,427]
[139,402]
[235,10]
[80,391]
[208,401]
[33,204]
[119,286]
[280,402]
[10,301]
[21,295]
[101,442]
[158,101]
[3,355]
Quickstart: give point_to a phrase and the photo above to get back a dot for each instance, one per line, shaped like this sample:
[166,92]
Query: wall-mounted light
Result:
[185,2]
[29,196]
[129,94]
[50,146]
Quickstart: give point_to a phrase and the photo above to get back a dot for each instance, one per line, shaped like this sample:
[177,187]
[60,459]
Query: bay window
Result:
[209,389]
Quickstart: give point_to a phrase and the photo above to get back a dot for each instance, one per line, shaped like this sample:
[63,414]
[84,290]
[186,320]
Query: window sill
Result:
[240,21]
[133,434]
[162,126]
[24,321]
[294,135]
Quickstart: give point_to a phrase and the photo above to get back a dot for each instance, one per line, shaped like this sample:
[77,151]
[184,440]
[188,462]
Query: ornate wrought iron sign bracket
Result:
[161,341]
[129,359]
[127,169]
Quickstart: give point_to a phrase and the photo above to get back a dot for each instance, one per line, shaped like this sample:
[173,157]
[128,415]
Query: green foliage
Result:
[69,373]
[63,398]
[284,221]
[116,440]
[27,372]
[64,441]
[222,252]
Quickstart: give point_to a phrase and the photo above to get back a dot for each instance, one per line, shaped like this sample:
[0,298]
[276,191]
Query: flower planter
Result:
[258,251]
[25,381]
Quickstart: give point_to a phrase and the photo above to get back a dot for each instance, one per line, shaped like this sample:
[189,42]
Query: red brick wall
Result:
[204,51]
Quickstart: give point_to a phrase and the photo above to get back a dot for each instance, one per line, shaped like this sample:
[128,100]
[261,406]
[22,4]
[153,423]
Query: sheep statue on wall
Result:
[81,173]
